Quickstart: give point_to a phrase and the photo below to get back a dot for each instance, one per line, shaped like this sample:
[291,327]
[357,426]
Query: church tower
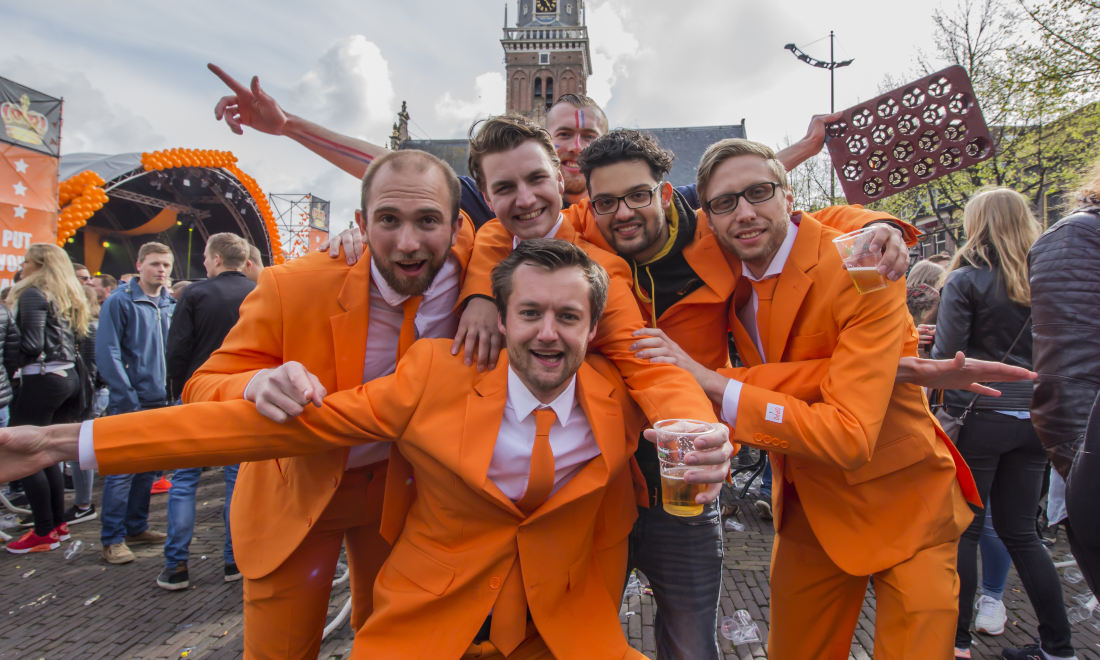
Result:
[546,54]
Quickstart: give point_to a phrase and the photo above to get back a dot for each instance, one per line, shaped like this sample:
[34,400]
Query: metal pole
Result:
[832,108]
[189,230]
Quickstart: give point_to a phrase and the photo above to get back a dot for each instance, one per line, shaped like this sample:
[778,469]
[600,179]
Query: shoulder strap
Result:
[1003,358]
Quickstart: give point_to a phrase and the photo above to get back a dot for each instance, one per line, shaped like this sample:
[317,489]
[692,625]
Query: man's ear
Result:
[360,222]
[500,325]
[666,195]
[790,200]
[561,182]
[456,228]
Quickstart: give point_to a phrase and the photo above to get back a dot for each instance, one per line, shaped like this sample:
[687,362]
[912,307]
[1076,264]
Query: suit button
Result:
[766,439]
[522,529]
[758,437]
[334,482]
[784,444]
[494,583]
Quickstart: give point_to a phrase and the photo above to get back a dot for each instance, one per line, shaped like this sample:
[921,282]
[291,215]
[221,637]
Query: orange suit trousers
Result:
[285,611]
[815,606]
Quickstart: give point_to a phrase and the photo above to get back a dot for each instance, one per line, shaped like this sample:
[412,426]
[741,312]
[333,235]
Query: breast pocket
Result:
[808,347]
[421,569]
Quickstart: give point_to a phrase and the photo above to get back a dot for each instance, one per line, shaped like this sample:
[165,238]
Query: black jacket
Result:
[205,314]
[9,334]
[977,317]
[45,337]
[1064,265]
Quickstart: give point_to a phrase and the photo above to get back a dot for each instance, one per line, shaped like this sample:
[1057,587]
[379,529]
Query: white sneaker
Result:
[991,616]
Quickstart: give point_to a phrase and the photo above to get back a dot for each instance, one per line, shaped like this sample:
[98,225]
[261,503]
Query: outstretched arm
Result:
[255,108]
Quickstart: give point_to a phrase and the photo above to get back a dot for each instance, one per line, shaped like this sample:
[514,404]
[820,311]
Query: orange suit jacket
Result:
[312,310]
[462,534]
[876,475]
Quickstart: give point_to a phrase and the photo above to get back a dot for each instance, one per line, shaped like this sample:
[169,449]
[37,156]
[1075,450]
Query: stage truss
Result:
[296,214]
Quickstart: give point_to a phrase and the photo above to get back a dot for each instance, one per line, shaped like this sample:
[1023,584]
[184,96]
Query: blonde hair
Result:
[1000,229]
[1089,192]
[57,281]
[723,150]
[925,272]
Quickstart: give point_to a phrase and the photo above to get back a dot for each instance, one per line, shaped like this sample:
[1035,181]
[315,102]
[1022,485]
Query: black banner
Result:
[318,214]
[30,119]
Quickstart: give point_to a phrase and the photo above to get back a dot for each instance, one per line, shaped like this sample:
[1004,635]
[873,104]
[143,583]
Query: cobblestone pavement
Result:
[43,615]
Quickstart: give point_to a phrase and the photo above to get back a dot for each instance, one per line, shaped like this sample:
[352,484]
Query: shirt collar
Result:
[780,259]
[553,232]
[395,299]
[524,403]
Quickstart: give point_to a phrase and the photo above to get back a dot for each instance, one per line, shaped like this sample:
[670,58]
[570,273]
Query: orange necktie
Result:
[765,290]
[408,325]
[509,626]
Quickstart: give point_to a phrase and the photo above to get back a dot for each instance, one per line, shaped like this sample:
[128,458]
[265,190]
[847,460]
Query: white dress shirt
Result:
[571,439]
[553,232]
[731,397]
[435,318]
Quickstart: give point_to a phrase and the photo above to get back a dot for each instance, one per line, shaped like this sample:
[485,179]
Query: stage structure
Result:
[303,222]
[114,204]
[29,147]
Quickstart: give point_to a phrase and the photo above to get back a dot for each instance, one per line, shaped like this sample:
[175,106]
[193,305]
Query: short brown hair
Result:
[723,150]
[153,248]
[504,133]
[107,281]
[416,161]
[77,267]
[626,144]
[255,256]
[552,254]
[231,248]
[580,101]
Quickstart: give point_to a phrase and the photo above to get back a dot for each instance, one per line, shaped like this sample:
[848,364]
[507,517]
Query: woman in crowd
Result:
[51,312]
[82,509]
[985,312]
[923,299]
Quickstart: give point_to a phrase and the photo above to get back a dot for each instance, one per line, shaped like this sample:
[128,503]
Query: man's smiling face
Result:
[572,130]
[523,187]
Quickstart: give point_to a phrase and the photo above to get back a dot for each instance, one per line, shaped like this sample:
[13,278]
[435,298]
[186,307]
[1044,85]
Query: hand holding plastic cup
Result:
[860,261]
[675,439]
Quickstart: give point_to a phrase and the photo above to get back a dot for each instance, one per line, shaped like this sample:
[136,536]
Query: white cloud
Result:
[612,49]
[93,123]
[349,90]
[490,92]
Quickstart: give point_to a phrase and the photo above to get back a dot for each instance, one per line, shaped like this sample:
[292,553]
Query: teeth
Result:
[751,235]
[530,216]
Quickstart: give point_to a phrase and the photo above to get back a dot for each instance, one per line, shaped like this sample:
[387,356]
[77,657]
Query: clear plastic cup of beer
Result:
[675,439]
[860,260]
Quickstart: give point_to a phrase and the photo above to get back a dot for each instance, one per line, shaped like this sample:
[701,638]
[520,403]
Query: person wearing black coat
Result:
[1064,266]
[9,334]
[985,312]
[51,312]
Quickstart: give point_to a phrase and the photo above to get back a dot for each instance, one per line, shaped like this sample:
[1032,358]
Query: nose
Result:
[548,329]
[624,212]
[525,196]
[744,211]
[408,240]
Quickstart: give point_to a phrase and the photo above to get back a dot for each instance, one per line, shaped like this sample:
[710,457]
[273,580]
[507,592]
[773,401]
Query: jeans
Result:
[1008,462]
[82,483]
[766,483]
[181,514]
[4,417]
[125,506]
[682,557]
[995,560]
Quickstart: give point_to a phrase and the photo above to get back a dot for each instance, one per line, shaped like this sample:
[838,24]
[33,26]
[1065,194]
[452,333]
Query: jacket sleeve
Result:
[108,354]
[181,339]
[954,317]
[13,355]
[492,244]
[33,310]
[87,351]
[227,432]
[853,216]
[801,380]
[843,428]
[663,391]
[255,343]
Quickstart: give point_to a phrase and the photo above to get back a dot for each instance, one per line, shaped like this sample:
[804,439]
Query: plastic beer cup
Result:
[860,261]
[675,439]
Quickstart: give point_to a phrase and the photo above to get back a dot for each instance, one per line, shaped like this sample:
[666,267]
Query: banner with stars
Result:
[28,205]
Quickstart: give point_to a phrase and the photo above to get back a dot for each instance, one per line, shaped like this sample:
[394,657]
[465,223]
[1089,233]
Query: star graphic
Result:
[21,166]
[20,212]
[20,190]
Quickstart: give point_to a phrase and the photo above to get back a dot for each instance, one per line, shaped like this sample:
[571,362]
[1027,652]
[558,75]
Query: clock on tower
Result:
[546,6]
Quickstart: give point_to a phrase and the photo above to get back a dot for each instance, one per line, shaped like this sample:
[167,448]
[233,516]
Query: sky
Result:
[134,77]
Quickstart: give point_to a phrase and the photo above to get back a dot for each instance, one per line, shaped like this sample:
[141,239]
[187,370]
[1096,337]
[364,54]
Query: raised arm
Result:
[255,108]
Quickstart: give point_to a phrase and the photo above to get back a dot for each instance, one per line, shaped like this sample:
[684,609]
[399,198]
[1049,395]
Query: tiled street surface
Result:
[44,614]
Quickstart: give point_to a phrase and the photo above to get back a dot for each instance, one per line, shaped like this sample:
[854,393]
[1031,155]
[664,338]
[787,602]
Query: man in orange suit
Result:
[499,545]
[866,482]
[347,325]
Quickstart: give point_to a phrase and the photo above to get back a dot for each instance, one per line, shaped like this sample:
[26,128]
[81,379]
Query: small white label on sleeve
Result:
[774,413]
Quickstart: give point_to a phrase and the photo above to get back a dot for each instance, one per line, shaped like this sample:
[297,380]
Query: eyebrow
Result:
[396,211]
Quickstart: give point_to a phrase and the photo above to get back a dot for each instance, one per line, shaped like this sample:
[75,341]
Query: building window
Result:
[569,9]
[544,58]
[525,9]
[549,92]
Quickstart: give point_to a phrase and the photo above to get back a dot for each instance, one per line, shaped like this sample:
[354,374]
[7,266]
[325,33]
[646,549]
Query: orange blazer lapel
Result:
[484,411]
[349,330]
[746,348]
[793,286]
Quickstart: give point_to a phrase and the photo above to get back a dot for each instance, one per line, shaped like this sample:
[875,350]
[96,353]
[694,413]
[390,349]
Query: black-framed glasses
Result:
[755,194]
[639,199]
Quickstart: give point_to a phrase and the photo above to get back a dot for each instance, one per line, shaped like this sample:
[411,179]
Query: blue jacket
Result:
[129,348]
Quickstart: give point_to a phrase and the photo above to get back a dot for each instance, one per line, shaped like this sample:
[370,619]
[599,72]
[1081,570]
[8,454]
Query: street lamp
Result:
[832,65]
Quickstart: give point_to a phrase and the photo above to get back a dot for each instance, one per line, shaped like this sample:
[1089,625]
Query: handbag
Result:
[950,424]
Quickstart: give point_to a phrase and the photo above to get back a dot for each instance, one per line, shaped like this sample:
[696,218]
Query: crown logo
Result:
[23,124]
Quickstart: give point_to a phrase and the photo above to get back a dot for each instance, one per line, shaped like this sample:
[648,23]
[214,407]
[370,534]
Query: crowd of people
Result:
[460,391]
